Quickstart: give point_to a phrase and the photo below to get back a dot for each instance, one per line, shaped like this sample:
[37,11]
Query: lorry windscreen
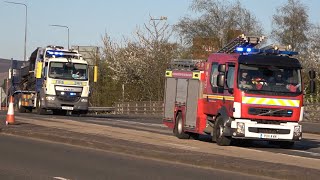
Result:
[269,78]
[65,70]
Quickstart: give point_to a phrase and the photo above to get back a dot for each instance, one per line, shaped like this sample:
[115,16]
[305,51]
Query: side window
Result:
[213,77]
[230,76]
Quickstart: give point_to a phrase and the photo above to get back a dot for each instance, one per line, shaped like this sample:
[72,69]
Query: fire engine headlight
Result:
[297,130]
[240,128]
[84,100]
[50,98]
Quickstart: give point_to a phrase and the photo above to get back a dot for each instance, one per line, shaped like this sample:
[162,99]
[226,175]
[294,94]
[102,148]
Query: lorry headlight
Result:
[240,127]
[50,98]
[84,100]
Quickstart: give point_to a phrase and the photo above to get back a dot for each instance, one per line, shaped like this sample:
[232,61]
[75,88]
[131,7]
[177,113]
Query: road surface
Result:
[148,138]
[23,158]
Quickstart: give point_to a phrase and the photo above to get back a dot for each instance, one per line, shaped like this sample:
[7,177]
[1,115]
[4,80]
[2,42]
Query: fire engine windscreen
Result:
[269,78]
[67,70]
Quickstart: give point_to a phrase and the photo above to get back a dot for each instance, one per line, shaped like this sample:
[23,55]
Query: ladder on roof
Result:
[241,41]
[188,64]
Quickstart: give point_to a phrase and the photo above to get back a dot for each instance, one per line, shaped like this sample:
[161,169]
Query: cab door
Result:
[228,93]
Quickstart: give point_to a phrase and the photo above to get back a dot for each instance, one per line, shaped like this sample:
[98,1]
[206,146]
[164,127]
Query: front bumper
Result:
[247,129]
[52,102]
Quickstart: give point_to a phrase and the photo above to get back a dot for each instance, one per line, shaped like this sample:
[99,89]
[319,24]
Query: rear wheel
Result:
[178,130]
[218,133]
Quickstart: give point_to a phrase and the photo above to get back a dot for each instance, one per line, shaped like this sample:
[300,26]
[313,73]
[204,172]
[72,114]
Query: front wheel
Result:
[218,135]
[178,130]
[40,110]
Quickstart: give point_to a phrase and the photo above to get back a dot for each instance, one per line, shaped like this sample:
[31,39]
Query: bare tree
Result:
[218,19]
[291,24]
[139,63]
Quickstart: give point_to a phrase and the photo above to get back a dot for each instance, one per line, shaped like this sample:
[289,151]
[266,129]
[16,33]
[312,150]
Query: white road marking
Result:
[182,146]
[60,178]
[306,152]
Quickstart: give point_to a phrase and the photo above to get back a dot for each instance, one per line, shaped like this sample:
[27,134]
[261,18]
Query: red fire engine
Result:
[239,93]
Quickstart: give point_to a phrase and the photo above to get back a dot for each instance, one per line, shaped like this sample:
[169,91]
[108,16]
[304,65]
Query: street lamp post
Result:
[25,28]
[56,25]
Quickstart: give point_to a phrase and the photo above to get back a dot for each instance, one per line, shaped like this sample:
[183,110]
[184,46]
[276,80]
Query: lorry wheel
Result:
[218,133]
[178,128]
[40,110]
[21,109]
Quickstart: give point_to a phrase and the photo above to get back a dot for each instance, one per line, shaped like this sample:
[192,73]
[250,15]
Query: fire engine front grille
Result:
[269,131]
[270,112]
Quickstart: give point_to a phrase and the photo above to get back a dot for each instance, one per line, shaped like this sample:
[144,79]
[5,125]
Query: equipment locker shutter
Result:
[182,86]
[170,96]
[192,102]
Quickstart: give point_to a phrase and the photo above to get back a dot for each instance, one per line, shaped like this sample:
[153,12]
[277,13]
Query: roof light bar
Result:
[55,53]
[275,51]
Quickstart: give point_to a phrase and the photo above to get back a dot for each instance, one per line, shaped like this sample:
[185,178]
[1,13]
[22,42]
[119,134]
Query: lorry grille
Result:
[68,96]
[270,112]
[269,131]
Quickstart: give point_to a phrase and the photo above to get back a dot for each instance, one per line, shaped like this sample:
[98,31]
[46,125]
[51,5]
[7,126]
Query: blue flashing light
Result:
[244,50]
[289,112]
[239,49]
[55,53]
[72,94]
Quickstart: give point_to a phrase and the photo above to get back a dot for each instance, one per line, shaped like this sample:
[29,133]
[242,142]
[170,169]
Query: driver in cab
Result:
[245,80]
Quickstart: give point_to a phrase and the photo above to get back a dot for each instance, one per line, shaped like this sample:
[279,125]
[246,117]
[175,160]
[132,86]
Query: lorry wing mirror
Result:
[312,86]
[220,80]
[312,74]
[222,68]
[95,74]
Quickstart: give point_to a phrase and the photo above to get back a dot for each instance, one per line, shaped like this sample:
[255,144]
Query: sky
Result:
[89,20]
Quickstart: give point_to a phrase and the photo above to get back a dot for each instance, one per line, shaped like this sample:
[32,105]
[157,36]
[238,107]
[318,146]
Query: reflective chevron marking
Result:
[271,101]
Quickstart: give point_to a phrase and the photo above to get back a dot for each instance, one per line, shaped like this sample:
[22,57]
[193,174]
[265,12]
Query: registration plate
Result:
[268,136]
[67,108]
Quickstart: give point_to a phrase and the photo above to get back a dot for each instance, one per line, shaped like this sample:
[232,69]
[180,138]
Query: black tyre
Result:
[40,110]
[218,133]
[178,129]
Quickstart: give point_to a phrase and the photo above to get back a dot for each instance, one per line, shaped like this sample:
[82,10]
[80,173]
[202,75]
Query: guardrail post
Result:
[136,108]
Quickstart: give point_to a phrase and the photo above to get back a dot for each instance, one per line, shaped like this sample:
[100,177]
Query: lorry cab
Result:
[62,80]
